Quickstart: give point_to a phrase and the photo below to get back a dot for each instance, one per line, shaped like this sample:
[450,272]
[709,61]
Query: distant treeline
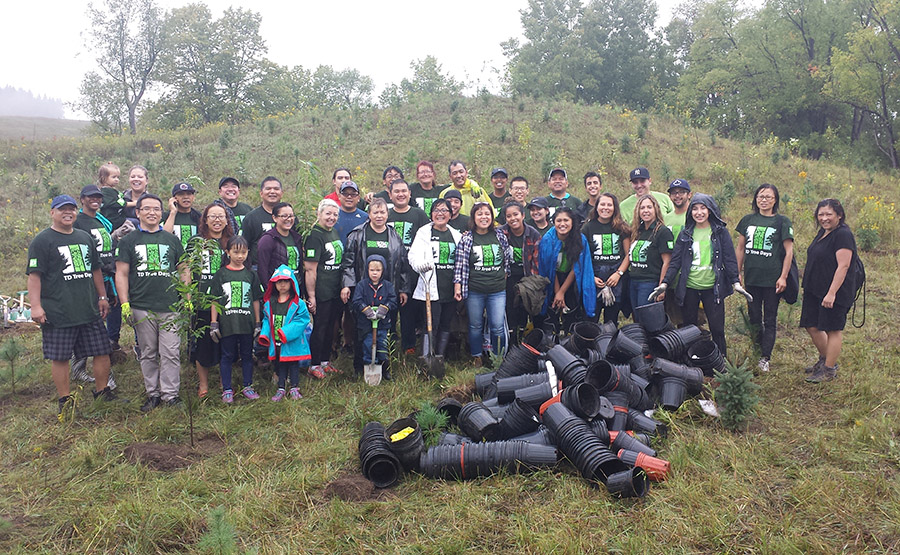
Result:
[19,102]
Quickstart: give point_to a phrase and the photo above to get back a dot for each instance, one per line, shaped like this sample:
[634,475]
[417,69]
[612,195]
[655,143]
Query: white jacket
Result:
[422,256]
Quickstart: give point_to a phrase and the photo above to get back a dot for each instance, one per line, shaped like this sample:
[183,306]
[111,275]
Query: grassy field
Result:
[29,129]
[816,470]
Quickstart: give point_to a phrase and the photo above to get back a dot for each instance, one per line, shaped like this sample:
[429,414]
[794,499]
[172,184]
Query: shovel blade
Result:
[433,366]
[372,374]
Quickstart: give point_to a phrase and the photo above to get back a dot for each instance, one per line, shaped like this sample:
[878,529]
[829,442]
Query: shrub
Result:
[736,396]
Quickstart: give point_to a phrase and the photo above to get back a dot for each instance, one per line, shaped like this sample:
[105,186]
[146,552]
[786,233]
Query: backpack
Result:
[857,273]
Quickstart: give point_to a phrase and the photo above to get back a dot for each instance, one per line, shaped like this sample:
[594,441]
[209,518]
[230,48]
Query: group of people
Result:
[295,297]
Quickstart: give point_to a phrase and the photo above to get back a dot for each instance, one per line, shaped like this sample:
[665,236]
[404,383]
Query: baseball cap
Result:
[452,193]
[639,173]
[495,171]
[229,180]
[91,191]
[538,202]
[679,183]
[554,170]
[350,185]
[182,188]
[62,200]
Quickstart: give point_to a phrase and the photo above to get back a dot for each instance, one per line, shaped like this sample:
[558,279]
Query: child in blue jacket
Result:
[285,330]
[373,299]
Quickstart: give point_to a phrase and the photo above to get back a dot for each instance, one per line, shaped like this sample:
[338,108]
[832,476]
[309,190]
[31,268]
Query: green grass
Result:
[816,470]
[19,128]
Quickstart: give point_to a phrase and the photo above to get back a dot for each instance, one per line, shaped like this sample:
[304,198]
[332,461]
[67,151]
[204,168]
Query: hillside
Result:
[816,471]
[28,129]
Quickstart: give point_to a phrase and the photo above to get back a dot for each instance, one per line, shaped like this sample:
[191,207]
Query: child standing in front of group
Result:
[374,299]
[238,290]
[285,330]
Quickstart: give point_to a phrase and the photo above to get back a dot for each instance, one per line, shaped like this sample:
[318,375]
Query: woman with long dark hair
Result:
[651,251]
[609,239]
[565,259]
[524,241]
[764,252]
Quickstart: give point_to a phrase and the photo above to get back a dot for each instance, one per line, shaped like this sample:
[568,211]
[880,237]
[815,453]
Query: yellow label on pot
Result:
[401,434]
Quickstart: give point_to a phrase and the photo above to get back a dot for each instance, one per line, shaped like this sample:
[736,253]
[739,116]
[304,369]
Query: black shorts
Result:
[814,315]
[86,340]
[203,349]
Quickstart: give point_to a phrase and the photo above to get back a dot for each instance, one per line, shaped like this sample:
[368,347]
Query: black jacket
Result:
[355,255]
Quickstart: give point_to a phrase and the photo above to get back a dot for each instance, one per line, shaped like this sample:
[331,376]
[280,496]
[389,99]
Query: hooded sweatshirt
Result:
[723,258]
[372,294]
[295,329]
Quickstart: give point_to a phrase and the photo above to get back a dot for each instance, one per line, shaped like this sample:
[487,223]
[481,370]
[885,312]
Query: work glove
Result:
[256,331]
[742,291]
[127,315]
[657,292]
[122,230]
[426,267]
[607,296]
[381,312]
[214,333]
[370,313]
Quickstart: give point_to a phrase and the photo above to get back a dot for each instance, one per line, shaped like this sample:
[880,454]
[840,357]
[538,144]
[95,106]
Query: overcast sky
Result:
[43,50]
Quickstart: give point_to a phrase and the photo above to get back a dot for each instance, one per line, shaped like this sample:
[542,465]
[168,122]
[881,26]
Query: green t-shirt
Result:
[153,264]
[424,199]
[236,290]
[66,262]
[102,240]
[568,201]
[185,227]
[626,207]
[607,245]
[211,260]
[406,224]
[325,248]
[702,275]
[563,266]
[646,253]
[293,251]
[675,223]
[764,249]
[444,249]
[486,271]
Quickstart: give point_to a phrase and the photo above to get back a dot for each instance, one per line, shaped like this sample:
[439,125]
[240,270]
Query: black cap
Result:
[452,193]
[229,180]
[182,188]
[91,191]
[538,202]
[639,173]
[680,183]
[495,171]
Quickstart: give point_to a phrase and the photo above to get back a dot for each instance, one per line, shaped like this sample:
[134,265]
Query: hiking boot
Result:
[811,369]
[295,394]
[279,395]
[79,370]
[763,365]
[174,402]
[106,394]
[249,393]
[152,403]
[823,374]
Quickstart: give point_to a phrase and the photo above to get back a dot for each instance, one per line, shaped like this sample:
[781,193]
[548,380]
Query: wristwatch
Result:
[103,298]
[620,272]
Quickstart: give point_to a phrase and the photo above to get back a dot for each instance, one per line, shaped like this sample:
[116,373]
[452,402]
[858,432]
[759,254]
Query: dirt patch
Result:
[169,457]
[462,393]
[17,330]
[355,488]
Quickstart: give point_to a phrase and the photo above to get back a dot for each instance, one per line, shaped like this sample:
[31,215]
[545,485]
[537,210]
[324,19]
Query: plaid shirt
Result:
[530,248]
[464,250]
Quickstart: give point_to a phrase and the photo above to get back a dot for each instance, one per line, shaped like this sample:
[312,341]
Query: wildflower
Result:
[802,175]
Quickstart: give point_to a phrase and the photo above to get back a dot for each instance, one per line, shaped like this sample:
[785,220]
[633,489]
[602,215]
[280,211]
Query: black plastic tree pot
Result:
[601,344]
[692,377]
[581,445]
[520,418]
[704,354]
[518,360]
[535,339]
[536,394]
[583,336]
[453,439]
[622,348]
[606,411]
[477,422]
[407,447]
[629,483]
[450,407]
[641,366]
[600,430]
[623,440]
[673,345]
[608,328]
[582,399]
[541,436]
[506,387]
[470,460]
[498,410]
[620,401]
[569,368]
[607,377]
[379,463]
[640,422]
[672,392]
[652,317]
[482,381]
[636,333]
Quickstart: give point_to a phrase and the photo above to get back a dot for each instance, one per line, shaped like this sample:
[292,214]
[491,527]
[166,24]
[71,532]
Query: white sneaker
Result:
[763,365]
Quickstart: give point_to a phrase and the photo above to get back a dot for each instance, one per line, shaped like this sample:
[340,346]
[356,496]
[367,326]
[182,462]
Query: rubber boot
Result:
[440,347]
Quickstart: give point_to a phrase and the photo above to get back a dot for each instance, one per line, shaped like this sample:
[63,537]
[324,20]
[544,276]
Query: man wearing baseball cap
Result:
[680,195]
[68,299]
[229,192]
[182,218]
[499,178]
[559,196]
[640,182]
[350,215]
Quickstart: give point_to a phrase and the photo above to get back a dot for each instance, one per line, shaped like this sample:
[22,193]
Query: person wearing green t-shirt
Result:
[641,183]
[182,218]
[705,258]
[651,251]
[559,196]
[323,253]
[68,299]
[680,195]
[147,261]
[764,252]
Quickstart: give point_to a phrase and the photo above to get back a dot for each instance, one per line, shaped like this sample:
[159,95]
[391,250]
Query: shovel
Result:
[433,365]
[372,372]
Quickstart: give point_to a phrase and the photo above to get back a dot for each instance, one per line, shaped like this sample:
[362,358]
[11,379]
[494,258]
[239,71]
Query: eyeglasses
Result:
[440,211]
[151,210]
[215,217]
[285,216]
[351,193]
[765,197]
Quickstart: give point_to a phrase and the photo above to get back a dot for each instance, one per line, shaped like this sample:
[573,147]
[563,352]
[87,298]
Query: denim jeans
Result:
[495,306]
[233,345]
[639,291]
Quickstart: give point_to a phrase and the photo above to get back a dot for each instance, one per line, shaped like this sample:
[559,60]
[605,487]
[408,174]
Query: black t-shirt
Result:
[422,198]
[646,251]
[326,250]
[498,203]
[293,251]
[377,243]
[240,210]
[443,248]
[386,197]
[236,290]
[113,207]
[486,271]
[66,262]
[517,244]
[253,225]
[460,223]
[185,226]
[211,260]
[102,240]
[606,244]
[764,238]
[821,264]
[153,263]
[406,224]
[568,201]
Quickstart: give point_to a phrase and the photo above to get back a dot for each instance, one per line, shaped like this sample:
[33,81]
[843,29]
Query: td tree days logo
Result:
[153,260]
[76,261]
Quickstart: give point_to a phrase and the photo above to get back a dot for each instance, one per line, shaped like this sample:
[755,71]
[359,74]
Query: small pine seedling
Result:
[220,538]
[736,395]
[432,423]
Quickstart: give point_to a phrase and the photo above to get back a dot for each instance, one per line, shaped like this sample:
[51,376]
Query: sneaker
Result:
[823,374]
[79,371]
[152,403]
[814,367]
[111,381]
[174,402]
[328,368]
[411,351]
[279,395]
[763,365]
[249,393]
[295,394]
[228,396]
[106,394]
[62,401]
[316,372]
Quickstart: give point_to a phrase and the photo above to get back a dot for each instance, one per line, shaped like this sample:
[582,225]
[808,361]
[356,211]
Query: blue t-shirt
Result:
[347,221]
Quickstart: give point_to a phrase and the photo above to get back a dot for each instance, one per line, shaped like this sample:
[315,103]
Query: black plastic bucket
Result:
[692,377]
[520,418]
[482,381]
[673,345]
[629,483]
[409,447]
[506,387]
[583,336]
[477,422]
[582,399]
[704,354]
[471,460]
[672,392]
[379,463]
[623,348]
[652,317]
[450,407]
